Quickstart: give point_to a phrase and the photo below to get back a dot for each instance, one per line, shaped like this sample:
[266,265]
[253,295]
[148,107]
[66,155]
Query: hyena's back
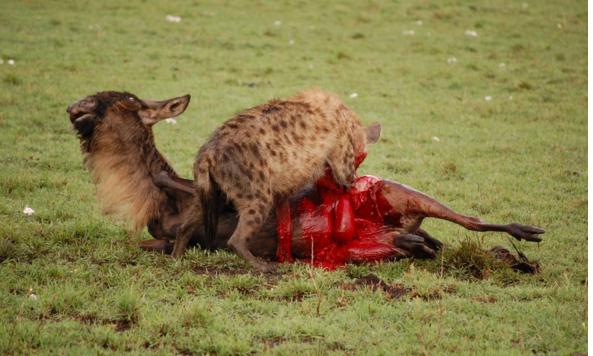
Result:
[276,148]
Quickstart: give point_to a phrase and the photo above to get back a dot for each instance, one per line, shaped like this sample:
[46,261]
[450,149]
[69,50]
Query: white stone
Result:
[172,18]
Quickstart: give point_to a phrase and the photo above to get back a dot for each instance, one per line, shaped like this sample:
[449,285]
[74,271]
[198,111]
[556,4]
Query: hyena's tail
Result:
[209,195]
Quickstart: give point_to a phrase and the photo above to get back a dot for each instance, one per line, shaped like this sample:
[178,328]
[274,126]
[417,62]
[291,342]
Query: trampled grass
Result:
[492,125]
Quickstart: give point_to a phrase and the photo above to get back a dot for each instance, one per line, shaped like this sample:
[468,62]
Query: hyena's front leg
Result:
[341,162]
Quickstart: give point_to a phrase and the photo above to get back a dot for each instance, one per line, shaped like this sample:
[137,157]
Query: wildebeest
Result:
[265,154]
[120,152]
[116,139]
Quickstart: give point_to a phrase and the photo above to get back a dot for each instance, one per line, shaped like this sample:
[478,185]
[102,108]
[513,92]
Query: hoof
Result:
[526,232]
[417,246]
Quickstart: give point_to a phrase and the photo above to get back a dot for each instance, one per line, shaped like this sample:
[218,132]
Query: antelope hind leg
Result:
[410,202]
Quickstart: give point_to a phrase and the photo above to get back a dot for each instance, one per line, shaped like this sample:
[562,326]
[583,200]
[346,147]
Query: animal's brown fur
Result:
[119,151]
[267,153]
[101,131]
[123,181]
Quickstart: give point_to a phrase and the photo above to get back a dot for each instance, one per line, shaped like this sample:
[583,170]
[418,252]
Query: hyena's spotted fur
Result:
[265,154]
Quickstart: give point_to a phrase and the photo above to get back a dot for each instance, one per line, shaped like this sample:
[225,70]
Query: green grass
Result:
[522,156]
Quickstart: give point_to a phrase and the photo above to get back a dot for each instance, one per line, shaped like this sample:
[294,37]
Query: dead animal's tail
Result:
[210,197]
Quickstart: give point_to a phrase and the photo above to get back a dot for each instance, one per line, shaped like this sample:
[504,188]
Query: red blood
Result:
[344,218]
[363,194]
[284,231]
[316,223]
[327,182]
[359,158]
[344,227]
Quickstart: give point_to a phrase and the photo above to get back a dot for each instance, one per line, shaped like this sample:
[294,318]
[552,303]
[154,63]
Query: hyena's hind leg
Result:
[252,216]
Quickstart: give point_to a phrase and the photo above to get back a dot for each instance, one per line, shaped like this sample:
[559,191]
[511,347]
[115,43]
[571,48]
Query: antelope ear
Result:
[159,110]
[373,132]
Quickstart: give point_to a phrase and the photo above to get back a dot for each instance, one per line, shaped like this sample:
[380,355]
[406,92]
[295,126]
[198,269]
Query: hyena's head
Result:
[362,137]
[120,117]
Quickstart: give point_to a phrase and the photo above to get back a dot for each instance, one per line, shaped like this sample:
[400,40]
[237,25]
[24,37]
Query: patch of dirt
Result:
[216,270]
[87,319]
[122,325]
[435,293]
[470,261]
[432,295]
[519,264]
[294,297]
[373,282]
[272,342]
[488,299]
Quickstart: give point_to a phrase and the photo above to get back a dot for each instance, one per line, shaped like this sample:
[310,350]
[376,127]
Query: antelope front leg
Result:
[405,201]
[191,225]
[163,180]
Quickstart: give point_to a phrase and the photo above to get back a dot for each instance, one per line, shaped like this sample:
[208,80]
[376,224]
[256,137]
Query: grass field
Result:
[492,122]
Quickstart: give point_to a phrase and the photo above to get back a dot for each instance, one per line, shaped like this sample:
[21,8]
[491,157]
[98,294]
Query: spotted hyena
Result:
[267,153]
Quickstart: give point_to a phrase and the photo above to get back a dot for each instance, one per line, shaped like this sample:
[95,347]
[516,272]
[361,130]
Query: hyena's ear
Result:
[373,132]
[156,111]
